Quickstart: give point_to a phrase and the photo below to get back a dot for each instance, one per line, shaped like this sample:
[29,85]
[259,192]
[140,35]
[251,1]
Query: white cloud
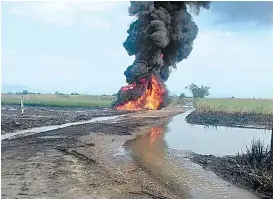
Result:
[232,63]
[97,23]
[37,65]
[97,74]
[65,13]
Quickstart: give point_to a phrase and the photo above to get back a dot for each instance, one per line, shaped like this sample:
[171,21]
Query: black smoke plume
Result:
[161,36]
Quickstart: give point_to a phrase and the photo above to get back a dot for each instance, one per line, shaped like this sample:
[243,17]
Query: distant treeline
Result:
[26,92]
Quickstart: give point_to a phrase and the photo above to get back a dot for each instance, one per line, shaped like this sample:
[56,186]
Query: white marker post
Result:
[22,105]
[271,147]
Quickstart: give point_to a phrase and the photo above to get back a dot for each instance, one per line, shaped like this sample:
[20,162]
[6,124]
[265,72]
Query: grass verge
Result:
[65,100]
[59,100]
[231,105]
[231,112]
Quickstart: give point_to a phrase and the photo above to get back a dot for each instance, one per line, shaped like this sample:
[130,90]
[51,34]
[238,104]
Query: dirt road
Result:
[81,161]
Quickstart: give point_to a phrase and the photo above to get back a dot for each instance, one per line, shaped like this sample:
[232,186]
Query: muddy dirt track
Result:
[12,119]
[81,161]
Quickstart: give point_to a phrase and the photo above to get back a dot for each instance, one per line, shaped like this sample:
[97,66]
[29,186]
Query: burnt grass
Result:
[35,116]
[239,170]
[231,119]
[252,169]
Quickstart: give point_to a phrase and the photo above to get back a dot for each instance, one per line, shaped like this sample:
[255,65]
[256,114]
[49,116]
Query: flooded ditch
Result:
[211,140]
[164,152]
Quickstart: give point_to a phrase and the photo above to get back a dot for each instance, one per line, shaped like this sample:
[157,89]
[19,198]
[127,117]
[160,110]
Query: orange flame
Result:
[154,132]
[151,99]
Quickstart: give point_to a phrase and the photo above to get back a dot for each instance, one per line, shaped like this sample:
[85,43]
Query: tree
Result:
[172,95]
[182,96]
[198,92]
[25,92]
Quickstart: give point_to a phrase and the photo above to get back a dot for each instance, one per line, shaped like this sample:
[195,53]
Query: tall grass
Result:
[101,101]
[256,153]
[59,100]
[235,105]
[255,166]
[177,102]
[96,101]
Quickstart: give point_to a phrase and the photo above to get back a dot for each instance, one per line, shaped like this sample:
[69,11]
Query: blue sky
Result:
[77,47]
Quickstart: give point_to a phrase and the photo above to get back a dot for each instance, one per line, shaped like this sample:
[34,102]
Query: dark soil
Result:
[80,162]
[237,171]
[35,116]
[236,119]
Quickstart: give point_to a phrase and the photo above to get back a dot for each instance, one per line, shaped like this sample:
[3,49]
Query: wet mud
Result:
[236,119]
[81,162]
[175,168]
[35,116]
[234,169]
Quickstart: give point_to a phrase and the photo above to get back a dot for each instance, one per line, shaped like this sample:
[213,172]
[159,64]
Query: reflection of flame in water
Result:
[151,145]
[154,132]
[184,178]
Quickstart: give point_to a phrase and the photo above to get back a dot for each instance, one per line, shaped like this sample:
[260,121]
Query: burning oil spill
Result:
[161,36]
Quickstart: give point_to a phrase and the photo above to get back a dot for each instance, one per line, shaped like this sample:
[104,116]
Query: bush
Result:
[257,153]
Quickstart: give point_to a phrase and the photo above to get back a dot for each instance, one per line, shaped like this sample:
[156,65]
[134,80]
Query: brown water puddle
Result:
[187,180]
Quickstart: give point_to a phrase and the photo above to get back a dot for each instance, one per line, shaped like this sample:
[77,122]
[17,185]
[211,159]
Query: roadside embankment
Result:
[233,112]
[231,119]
